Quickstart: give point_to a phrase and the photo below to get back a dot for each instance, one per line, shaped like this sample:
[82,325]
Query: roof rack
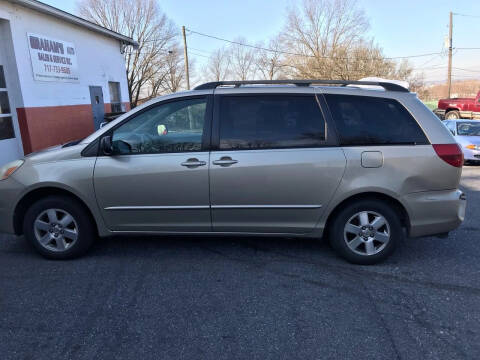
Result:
[386,85]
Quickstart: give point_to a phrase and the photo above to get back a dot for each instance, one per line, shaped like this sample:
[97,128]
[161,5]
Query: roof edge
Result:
[73,19]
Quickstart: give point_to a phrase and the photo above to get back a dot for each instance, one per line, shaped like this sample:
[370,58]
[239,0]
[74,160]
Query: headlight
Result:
[9,169]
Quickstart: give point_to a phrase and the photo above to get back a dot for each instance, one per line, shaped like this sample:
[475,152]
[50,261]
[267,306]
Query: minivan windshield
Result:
[468,128]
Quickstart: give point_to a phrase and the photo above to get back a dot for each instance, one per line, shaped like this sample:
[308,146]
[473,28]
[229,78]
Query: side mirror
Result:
[106,145]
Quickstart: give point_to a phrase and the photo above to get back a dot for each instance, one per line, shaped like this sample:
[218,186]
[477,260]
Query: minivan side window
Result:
[270,122]
[175,126]
[366,120]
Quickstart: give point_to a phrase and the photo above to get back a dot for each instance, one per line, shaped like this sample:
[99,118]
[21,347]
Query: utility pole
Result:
[450,48]
[185,55]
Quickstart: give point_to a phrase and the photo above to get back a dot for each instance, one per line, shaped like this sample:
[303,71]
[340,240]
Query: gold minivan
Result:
[304,158]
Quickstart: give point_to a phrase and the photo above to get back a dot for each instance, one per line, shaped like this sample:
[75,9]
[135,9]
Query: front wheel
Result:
[452,115]
[366,232]
[58,227]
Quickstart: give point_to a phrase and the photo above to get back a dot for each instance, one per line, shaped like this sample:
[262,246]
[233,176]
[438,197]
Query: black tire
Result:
[82,224]
[452,115]
[337,232]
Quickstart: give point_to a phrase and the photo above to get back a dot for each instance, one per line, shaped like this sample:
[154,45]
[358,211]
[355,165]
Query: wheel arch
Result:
[450,109]
[39,193]
[370,195]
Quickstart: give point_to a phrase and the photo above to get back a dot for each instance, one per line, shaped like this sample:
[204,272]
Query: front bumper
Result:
[435,212]
[469,154]
[440,113]
[10,191]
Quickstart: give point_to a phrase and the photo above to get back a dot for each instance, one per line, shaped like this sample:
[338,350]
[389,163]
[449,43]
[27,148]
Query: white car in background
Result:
[467,135]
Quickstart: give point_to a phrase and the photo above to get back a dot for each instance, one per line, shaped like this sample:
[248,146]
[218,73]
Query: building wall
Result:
[55,112]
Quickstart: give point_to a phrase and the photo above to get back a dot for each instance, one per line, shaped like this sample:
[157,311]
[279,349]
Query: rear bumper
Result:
[435,212]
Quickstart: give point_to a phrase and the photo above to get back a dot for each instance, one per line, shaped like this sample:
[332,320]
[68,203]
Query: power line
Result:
[197,54]
[203,51]
[297,54]
[466,15]
[470,70]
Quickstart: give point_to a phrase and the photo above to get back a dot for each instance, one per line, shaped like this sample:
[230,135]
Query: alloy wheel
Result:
[367,233]
[56,230]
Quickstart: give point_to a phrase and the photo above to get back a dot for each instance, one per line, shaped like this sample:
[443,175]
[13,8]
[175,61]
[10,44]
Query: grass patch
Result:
[432,105]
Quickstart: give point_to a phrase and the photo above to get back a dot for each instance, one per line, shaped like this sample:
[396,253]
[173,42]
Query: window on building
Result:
[4,106]
[6,123]
[368,120]
[2,78]
[115,97]
[6,128]
[270,121]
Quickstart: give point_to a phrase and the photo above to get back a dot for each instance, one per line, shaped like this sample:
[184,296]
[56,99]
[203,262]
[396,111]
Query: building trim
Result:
[65,16]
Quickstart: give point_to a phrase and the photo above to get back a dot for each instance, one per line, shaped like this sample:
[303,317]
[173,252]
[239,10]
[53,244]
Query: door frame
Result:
[205,149]
[331,141]
[11,147]
[90,88]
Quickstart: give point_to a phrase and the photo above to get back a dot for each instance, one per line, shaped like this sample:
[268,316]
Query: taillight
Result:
[450,153]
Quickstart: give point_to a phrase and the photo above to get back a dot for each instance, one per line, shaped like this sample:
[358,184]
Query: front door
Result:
[274,170]
[98,107]
[157,177]
[9,149]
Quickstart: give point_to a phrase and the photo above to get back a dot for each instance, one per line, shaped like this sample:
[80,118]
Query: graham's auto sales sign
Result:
[52,59]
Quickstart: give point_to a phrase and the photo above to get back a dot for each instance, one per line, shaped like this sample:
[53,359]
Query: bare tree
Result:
[270,63]
[143,21]
[327,39]
[242,60]
[169,78]
[218,65]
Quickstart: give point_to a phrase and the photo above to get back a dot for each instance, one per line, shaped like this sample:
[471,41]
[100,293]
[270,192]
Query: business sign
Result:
[53,60]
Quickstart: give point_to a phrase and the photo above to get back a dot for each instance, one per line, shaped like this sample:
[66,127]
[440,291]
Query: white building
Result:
[59,74]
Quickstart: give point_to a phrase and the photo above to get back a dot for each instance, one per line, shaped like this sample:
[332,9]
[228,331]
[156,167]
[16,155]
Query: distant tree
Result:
[327,39]
[270,63]
[242,60]
[218,67]
[156,35]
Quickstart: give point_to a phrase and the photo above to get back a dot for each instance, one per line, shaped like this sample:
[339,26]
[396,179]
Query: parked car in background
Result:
[459,108]
[360,167]
[467,135]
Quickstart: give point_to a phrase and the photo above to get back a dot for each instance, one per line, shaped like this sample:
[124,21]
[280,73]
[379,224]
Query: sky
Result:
[400,27]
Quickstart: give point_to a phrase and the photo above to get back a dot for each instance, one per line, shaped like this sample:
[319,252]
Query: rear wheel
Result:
[452,115]
[366,232]
[58,227]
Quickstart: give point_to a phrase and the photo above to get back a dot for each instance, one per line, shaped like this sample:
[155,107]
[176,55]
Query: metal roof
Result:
[65,16]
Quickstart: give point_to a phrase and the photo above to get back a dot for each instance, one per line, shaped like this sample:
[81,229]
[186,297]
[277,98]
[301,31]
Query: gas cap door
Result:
[372,159]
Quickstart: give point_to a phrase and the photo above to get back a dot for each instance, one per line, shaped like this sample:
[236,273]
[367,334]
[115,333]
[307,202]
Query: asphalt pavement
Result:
[244,298]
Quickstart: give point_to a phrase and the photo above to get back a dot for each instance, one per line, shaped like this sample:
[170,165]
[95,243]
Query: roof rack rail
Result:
[386,85]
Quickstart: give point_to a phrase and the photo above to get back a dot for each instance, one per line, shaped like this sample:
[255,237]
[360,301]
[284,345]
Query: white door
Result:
[9,149]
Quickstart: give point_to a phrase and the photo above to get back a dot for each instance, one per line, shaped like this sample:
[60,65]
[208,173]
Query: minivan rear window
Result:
[366,120]
[270,122]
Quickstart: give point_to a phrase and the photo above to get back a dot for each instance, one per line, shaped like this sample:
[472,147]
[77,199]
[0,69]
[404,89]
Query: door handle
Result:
[225,161]
[193,163]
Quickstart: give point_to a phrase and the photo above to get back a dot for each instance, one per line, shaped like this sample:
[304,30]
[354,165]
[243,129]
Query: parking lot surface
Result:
[244,298]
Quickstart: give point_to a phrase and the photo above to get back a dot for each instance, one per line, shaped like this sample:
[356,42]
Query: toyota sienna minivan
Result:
[362,167]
